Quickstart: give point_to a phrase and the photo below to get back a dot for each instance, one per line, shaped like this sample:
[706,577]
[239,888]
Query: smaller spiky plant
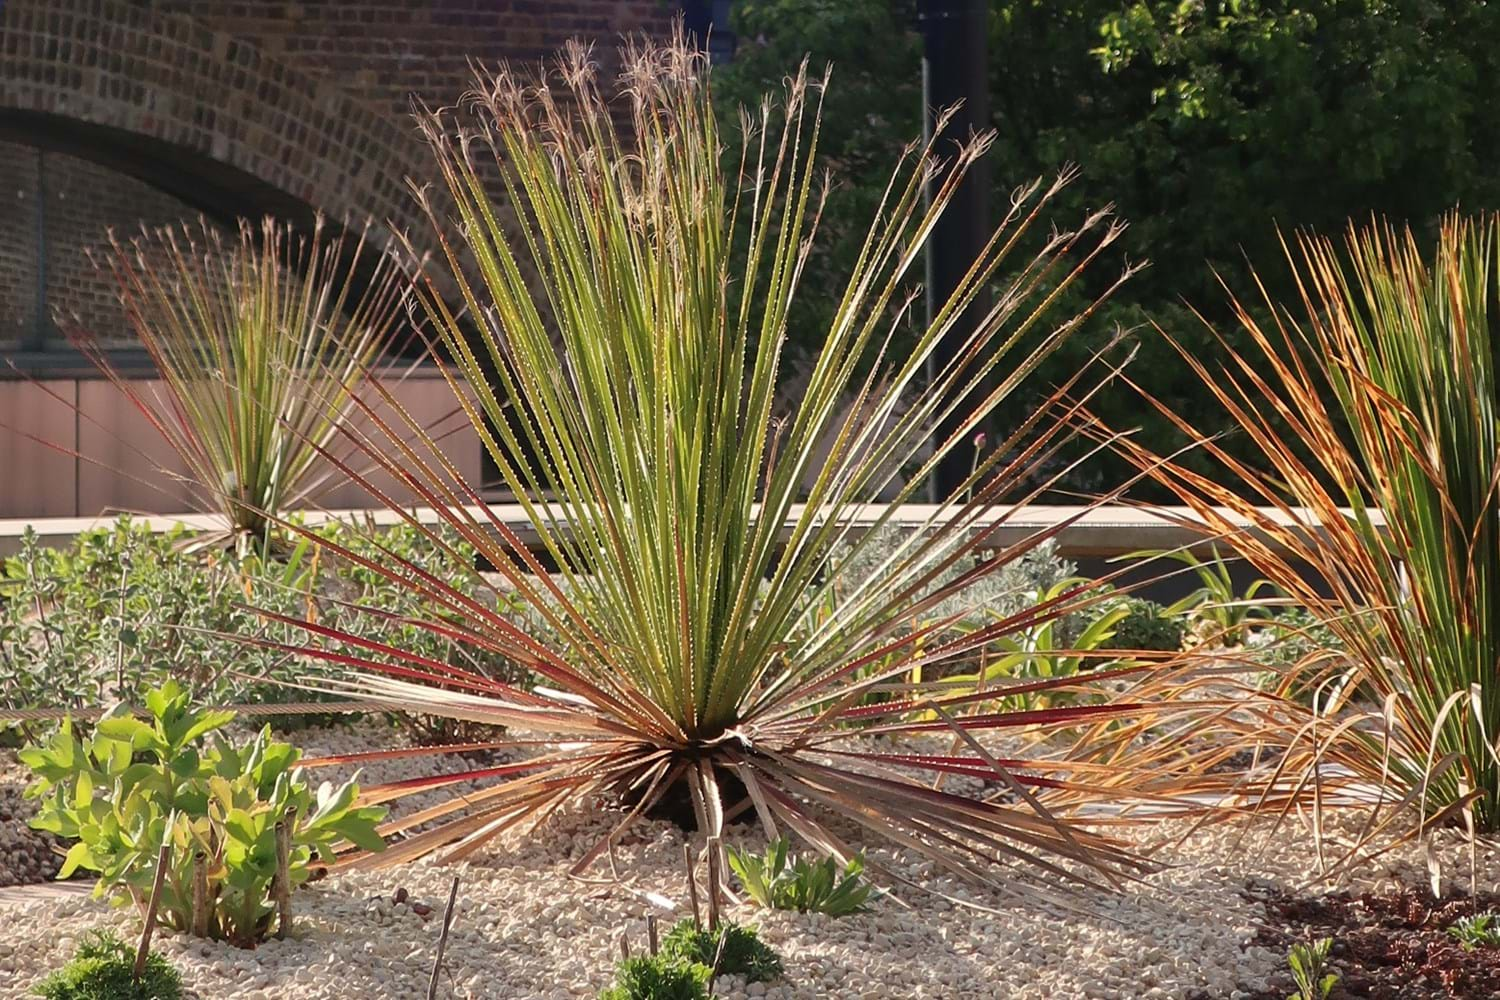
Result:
[1376,408]
[259,342]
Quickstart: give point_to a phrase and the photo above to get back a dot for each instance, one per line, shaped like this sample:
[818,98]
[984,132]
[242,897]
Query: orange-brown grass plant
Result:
[1373,406]
[626,395]
[258,342]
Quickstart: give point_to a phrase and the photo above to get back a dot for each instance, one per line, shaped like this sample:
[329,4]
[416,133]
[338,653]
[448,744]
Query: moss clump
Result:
[745,954]
[657,977]
[103,968]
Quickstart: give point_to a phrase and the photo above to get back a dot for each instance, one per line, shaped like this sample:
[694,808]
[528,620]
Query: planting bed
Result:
[1392,944]
[1214,923]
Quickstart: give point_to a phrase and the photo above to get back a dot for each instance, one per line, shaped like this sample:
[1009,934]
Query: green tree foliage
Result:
[1209,123]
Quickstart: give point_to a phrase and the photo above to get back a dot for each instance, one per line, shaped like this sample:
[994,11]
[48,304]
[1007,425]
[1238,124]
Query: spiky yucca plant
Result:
[258,342]
[626,396]
[1375,407]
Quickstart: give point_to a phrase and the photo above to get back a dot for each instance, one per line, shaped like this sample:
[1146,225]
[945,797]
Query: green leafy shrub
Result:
[1071,640]
[1220,613]
[123,608]
[657,977]
[745,954]
[778,882]
[103,968]
[134,784]
[1147,625]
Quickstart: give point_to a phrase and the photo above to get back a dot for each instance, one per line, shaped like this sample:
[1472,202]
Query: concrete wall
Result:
[79,448]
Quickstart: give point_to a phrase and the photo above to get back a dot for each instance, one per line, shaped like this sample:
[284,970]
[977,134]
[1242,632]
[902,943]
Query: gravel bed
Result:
[26,855]
[524,929]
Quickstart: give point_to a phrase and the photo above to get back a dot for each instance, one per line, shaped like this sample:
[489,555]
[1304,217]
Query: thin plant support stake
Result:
[143,951]
[715,850]
[437,961]
[282,885]
[200,894]
[692,883]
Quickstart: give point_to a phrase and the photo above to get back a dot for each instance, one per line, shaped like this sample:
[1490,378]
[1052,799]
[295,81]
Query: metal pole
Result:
[955,70]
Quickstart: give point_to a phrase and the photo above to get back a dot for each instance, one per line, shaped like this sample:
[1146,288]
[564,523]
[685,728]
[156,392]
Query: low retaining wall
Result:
[76,447]
[1081,533]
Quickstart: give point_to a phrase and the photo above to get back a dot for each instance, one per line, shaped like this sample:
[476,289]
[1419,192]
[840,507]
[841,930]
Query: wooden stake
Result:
[651,940]
[437,961]
[144,950]
[715,848]
[713,970]
[687,858]
[200,894]
[281,883]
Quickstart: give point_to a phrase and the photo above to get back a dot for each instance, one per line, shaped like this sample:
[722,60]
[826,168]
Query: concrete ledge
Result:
[1081,533]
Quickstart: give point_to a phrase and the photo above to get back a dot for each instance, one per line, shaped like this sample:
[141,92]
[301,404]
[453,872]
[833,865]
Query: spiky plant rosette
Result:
[1377,508]
[258,341]
[626,395]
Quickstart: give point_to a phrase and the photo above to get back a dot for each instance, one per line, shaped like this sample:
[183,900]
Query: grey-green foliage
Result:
[1292,637]
[777,881]
[123,608]
[1008,590]
[103,969]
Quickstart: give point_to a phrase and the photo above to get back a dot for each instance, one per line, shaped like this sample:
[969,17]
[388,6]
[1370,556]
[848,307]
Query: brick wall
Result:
[385,52]
[80,203]
[152,110]
[18,257]
[310,99]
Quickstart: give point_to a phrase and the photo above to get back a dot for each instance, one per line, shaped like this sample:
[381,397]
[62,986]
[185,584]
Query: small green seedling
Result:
[1309,964]
[1479,930]
[777,882]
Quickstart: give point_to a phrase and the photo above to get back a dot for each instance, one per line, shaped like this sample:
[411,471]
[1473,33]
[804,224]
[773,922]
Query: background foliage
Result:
[122,609]
[1209,123]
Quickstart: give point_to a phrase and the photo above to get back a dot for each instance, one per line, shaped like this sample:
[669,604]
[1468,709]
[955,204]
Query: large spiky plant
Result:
[620,362]
[1377,507]
[257,341]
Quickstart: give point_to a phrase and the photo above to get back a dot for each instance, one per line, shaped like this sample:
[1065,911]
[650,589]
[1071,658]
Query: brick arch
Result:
[201,113]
